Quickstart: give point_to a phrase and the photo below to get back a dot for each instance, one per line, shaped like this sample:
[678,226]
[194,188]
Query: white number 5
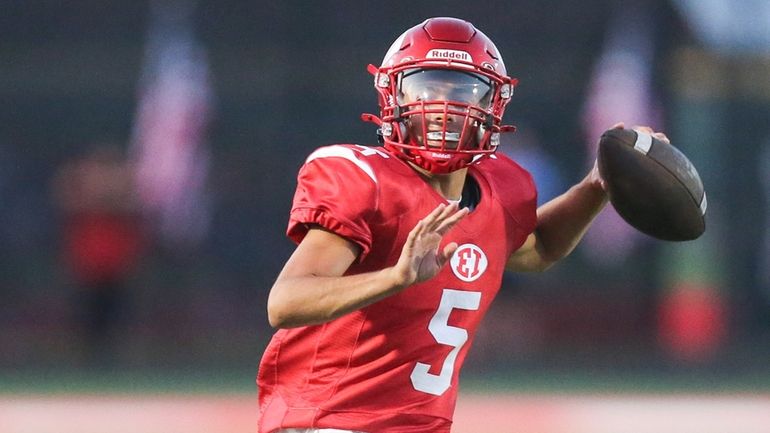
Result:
[448,335]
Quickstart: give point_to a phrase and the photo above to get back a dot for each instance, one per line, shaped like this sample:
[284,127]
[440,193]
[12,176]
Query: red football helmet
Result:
[442,91]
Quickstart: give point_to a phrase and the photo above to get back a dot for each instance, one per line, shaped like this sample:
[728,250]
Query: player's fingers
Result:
[446,254]
[411,238]
[446,210]
[425,224]
[453,219]
[431,218]
[662,137]
[645,129]
[619,125]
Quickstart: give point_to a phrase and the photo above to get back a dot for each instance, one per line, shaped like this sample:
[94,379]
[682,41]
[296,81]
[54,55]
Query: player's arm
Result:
[561,223]
[312,289]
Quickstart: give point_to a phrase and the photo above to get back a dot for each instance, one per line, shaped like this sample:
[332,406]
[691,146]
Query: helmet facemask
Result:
[445,118]
[443,109]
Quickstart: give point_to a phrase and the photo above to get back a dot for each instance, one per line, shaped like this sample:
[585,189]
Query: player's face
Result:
[427,91]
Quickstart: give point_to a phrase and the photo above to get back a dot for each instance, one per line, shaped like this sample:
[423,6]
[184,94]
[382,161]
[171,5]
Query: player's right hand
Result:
[420,257]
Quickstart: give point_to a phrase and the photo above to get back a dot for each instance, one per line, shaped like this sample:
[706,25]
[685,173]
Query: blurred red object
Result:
[692,322]
[101,246]
[102,231]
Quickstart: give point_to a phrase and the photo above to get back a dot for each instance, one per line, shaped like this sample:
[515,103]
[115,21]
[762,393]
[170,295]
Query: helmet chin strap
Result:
[451,165]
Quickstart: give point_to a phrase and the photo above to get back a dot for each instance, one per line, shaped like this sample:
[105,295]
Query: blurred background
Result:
[148,153]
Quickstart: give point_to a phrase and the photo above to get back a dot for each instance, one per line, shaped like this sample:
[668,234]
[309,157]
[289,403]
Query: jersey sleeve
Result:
[337,191]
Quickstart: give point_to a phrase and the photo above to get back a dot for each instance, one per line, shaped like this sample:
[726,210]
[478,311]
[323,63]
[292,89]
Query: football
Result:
[652,185]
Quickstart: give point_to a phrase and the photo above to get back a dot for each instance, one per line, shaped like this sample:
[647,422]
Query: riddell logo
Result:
[440,155]
[450,54]
[468,263]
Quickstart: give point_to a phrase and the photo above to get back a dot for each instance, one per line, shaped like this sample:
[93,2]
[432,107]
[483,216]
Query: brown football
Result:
[652,185]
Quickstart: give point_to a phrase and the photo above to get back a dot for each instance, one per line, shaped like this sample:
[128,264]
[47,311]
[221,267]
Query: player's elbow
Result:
[544,265]
[284,318]
[275,318]
[283,312]
[281,316]
[547,256]
[551,251]
[278,312]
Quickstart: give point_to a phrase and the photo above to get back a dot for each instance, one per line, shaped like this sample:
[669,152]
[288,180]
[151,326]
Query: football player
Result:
[402,248]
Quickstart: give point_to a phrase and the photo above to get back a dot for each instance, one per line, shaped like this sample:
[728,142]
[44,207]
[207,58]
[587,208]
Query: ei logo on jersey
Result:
[468,263]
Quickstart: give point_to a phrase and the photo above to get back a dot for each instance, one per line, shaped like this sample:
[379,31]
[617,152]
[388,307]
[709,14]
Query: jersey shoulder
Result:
[512,186]
[349,155]
[338,188]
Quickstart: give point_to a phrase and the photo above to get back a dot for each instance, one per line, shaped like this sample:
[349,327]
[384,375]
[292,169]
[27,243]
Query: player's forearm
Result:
[309,300]
[562,222]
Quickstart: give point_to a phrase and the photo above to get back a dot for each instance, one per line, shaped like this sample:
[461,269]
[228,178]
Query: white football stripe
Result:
[703,204]
[345,153]
[643,142]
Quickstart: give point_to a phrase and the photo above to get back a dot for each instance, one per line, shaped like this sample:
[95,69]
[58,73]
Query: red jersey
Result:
[392,366]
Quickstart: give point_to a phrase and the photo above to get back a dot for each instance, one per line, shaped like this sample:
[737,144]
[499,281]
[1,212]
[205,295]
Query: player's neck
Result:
[449,186]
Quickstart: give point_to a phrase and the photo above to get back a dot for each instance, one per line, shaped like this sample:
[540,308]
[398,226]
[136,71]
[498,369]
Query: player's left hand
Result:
[421,258]
[594,179]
